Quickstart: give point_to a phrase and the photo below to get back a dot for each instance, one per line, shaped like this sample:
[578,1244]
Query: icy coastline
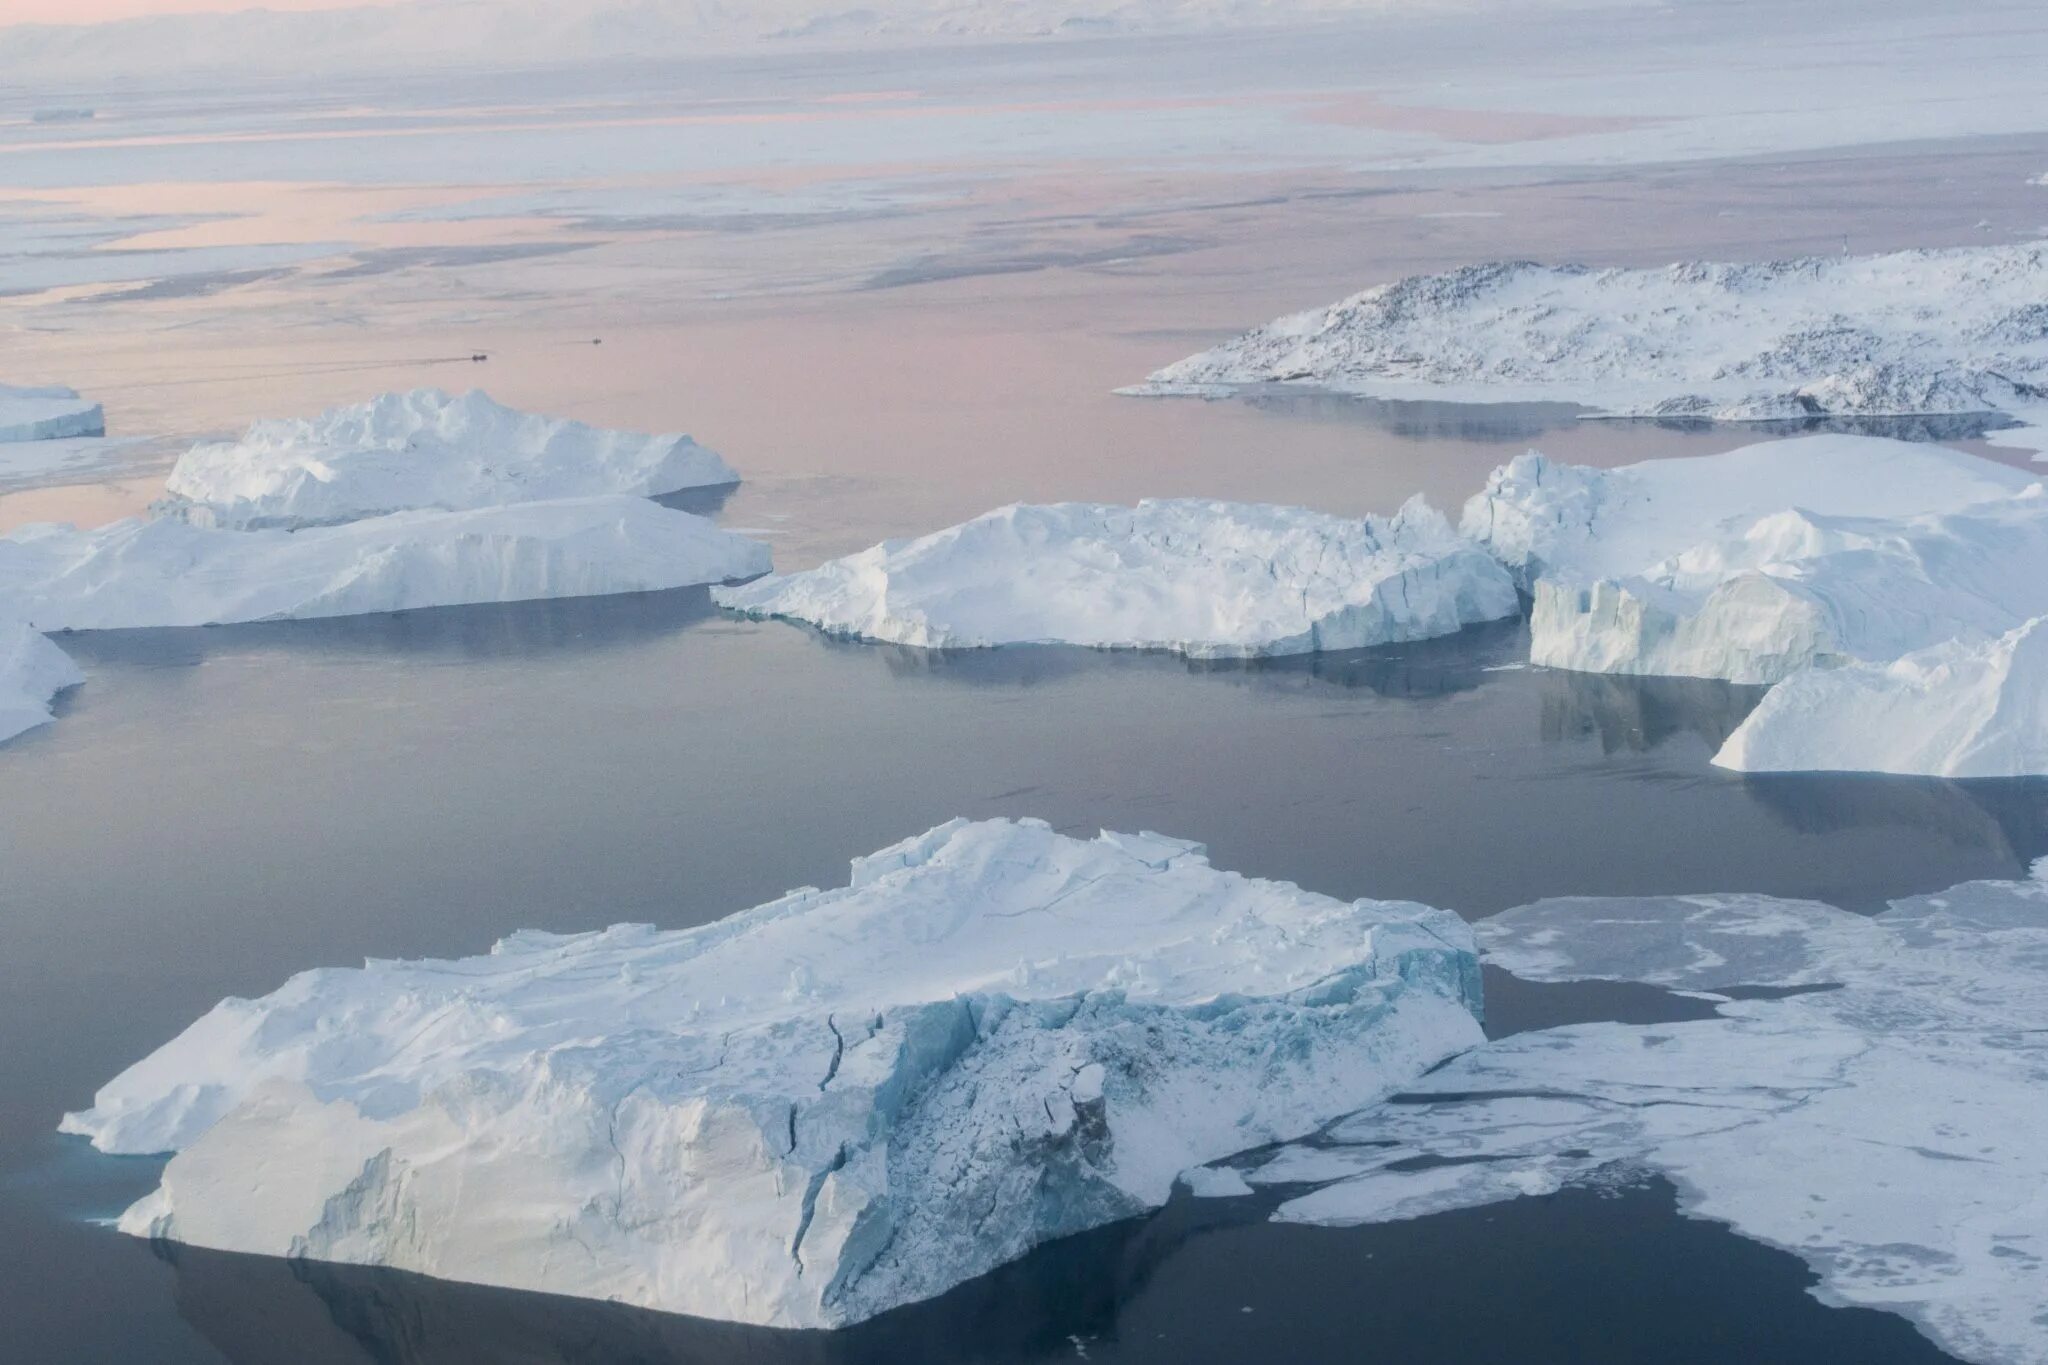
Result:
[809,1112]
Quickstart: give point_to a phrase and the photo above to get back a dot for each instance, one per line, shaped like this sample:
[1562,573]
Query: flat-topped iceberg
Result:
[1911,332]
[47,414]
[1206,579]
[1884,1125]
[167,572]
[422,449]
[1962,708]
[32,671]
[810,1112]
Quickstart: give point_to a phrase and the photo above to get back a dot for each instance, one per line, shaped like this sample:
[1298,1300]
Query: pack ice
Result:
[1754,564]
[1884,1127]
[32,672]
[47,414]
[815,1110]
[167,572]
[1950,331]
[418,450]
[1207,579]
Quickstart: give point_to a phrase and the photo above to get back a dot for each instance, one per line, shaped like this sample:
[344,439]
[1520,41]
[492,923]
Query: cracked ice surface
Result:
[1887,1130]
[812,1111]
[1207,579]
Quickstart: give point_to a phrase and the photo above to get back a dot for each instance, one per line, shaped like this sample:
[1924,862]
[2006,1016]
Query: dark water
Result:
[219,808]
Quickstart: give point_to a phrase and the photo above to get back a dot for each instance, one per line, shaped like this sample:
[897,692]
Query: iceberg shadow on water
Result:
[1582,1277]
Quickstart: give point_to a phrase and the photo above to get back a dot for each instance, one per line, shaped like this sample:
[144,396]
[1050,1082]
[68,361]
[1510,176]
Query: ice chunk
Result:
[1883,1125]
[32,671]
[169,573]
[422,449]
[812,1111]
[1208,579]
[1951,331]
[47,414]
[1957,709]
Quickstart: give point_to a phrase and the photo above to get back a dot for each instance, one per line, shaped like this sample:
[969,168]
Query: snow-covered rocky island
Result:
[47,414]
[1913,332]
[418,450]
[32,671]
[1883,1125]
[1206,579]
[810,1112]
[166,572]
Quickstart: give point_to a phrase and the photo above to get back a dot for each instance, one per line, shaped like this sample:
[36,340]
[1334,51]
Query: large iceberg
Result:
[32,671]
[167,572]
[47,414]
[1207,579]
[1962,708]
[1950,331]
[422,449]
[810,1112]
[1882,1120]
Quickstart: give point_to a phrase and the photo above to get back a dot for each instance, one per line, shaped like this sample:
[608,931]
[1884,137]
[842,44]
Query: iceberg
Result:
[418,450]
[32,672]
[1912,332]
[1881,1120]
[1206,579]
[47,414]
[1962,708]
[166,572]
[812,1111]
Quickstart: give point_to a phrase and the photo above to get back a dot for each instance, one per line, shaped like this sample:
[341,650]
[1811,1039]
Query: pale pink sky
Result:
[92,11]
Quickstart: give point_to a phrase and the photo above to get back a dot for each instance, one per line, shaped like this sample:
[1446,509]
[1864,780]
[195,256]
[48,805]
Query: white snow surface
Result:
[167,572]
[812,1111]
[1962,708]
[1754,564]
[1207,579]
[1886,1131]
[422,449]
[32,671]
[45,414]
[1941,331]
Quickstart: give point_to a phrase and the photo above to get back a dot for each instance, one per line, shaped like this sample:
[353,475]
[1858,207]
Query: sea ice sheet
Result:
[812,1111]
[49,413]
[32,671]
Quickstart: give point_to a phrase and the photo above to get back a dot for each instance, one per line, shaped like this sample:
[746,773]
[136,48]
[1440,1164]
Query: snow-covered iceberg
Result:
[1207,579]
[1962,708]
[1884,1125]
[47,414]
[1911,332]
[32,671]
[815,1110]
[422,449]
[167,572]
[1752,565]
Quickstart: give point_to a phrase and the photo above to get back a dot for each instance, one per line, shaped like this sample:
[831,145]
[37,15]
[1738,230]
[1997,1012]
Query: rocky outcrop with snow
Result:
[422,449]
[1207,579]
[1951,331]
[47,414]
[810,1112]
[32,671]
[1963,708]
[167,572]
[1883,1127]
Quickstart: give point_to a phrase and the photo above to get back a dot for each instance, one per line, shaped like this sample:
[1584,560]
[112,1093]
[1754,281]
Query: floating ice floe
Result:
[1913,332]
[1752,565]
[46,414]
[1885,1126]
[32,672]
[422,449]
[1207,579]
[810,1112]
[1962,708]
[166,572]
